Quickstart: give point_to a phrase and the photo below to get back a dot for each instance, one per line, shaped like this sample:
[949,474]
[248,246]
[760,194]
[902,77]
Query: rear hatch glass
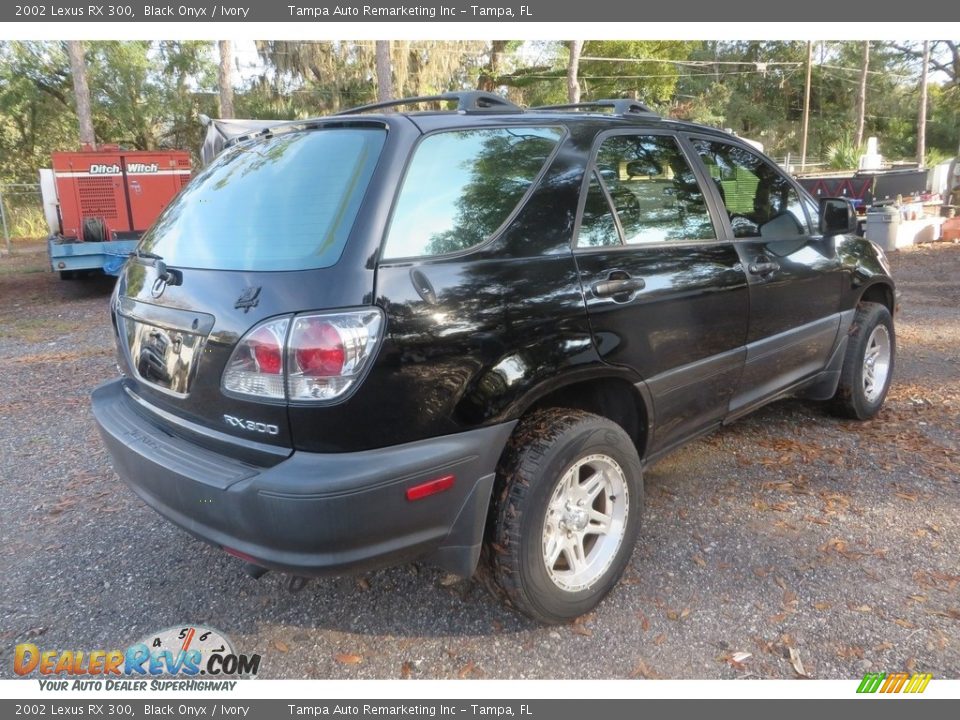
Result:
[281,203]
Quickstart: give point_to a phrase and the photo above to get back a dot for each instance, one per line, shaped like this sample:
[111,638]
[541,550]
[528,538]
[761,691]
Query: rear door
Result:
[794,274]
[666,295]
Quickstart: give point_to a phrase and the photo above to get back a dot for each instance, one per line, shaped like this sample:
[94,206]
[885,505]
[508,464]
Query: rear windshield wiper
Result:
[170,277]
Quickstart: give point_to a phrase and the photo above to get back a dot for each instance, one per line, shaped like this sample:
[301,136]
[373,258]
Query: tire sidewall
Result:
[577,442]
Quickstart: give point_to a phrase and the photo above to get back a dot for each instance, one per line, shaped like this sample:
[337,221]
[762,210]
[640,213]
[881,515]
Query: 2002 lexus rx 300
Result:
[376,337]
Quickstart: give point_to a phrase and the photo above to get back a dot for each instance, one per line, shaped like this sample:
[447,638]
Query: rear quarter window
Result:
[461,186]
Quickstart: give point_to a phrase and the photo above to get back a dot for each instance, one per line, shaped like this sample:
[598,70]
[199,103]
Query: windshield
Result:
[280,203]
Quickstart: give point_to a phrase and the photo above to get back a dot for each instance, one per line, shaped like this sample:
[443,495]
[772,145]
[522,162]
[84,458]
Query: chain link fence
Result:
[21,213]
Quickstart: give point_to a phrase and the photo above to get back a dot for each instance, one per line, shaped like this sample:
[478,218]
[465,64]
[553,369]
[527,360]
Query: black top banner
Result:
[331,11]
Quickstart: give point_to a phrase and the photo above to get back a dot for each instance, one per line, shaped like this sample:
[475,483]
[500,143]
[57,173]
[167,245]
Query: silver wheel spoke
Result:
[599,523]
[552,551]
[573,551]
[593,485]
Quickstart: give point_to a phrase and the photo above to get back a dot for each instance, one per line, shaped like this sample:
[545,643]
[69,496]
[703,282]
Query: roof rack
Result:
[468,101]
[620,106]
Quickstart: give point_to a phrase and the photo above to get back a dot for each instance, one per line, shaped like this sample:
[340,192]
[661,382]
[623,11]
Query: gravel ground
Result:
[817,546]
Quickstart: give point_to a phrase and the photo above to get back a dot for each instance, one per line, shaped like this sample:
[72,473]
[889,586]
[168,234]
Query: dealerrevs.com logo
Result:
[177,658]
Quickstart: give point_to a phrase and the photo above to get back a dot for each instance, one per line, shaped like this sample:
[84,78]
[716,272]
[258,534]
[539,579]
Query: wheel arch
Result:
[610,392]
[881,292]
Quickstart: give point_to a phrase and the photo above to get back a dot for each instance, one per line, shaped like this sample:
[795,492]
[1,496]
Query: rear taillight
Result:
[313,357]
[256,366]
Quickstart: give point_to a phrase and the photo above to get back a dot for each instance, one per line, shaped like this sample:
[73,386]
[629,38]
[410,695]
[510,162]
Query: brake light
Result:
[327,353]
[256,365]
[320,350]
[314,358]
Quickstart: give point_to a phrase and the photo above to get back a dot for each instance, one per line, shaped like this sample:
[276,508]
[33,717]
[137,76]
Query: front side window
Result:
[461,186]
[759,199]
[653,189]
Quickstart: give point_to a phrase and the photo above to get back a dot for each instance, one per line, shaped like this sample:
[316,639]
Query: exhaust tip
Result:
[254,571]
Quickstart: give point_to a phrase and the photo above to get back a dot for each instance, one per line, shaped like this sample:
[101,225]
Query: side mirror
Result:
[837,217]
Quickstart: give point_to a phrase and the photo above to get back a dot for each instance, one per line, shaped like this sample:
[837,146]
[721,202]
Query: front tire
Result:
[566,514]
[868,364]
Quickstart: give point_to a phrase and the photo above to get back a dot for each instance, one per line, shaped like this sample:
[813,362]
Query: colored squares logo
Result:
[894,683]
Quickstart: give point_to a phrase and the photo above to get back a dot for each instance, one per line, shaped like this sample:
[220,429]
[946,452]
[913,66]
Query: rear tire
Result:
[68,274]
[566,513]
[868,364]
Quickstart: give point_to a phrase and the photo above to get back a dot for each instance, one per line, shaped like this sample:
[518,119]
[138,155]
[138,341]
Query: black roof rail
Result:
[468,101]
[619,106]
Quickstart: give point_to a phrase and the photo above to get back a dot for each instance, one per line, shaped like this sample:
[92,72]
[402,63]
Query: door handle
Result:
[762,268]
[615,285]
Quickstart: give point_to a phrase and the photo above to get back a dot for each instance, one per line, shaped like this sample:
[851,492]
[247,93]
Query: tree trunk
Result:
[862,95]
[226,79]
[922,113]
[384,71]
[488,76]
[573,71]
[81,92]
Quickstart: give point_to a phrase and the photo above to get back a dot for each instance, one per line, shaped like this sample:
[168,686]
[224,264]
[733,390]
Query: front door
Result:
[794,274]
[666,296]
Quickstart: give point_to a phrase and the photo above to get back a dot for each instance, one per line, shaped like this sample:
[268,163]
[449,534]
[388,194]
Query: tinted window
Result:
[760,200]
[281,203]
[653,189]
[462,186]
[597,227]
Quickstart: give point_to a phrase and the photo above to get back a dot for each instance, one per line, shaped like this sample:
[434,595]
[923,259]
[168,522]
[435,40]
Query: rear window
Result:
[461,186]
[281,203]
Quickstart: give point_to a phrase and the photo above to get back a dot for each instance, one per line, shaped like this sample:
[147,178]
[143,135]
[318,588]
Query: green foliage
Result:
[843,154]
[149,94]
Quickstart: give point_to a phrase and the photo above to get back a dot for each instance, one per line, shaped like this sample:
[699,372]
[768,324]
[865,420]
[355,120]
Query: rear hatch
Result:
[261,233]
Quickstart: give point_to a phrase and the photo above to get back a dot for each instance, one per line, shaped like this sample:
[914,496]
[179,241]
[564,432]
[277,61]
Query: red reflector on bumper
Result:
[418,492]
[242,556]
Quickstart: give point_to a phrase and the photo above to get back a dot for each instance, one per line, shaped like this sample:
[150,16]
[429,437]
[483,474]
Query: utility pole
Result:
[862,95]
[922,114]
[806,106]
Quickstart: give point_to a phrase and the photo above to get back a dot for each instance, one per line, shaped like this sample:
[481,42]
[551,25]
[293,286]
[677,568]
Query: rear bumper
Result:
[310,514]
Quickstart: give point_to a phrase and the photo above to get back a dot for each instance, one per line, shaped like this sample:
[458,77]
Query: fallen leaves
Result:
[794,656]
[281,646]
[643,670]
[348,658]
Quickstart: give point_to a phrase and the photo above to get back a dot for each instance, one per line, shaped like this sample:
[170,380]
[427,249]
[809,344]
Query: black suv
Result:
[365,339]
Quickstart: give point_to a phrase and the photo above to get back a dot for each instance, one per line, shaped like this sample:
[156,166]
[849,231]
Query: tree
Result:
[384,71]
[490,73]
[81,92]
[573,70]
[225,79]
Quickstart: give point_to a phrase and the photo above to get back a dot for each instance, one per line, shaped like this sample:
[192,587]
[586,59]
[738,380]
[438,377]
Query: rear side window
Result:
[281,203]
[461,186]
